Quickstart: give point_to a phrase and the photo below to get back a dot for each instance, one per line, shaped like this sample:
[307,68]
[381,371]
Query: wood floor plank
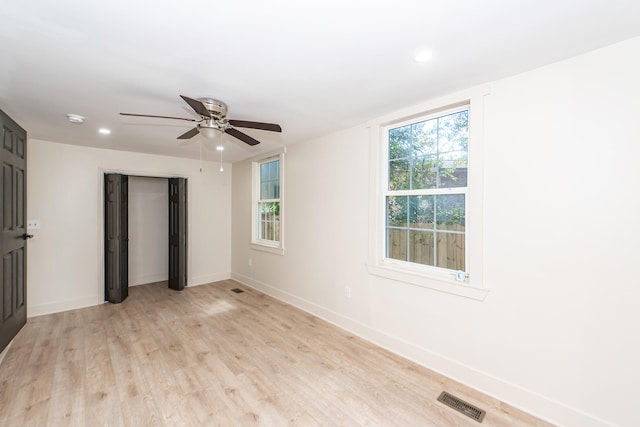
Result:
[66,408]
[209,357]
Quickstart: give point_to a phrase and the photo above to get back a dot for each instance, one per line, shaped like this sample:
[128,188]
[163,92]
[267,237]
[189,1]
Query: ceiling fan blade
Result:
[189,134]
[256,125]
[242,136]
[157,117]
[197,105]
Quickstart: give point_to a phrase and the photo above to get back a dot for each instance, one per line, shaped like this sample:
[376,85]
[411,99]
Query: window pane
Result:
[424,173]
[399,174]
[450,215]
[397,211]
[450,212]
[453,130]
[421,211]
[425,138]
[400,143]
[451,251]
[421,247]
[397,244]
[453,174]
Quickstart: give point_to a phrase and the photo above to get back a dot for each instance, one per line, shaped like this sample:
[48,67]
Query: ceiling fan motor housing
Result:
[217,108]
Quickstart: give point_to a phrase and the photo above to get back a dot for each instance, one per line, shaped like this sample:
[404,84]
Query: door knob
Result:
[26,236]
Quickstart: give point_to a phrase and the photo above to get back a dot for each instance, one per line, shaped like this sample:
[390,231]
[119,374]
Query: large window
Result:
[427,202]
[426,190]
[267,204]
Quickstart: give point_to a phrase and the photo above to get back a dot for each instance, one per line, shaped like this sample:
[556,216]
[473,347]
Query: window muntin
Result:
[268,206]
[425,196]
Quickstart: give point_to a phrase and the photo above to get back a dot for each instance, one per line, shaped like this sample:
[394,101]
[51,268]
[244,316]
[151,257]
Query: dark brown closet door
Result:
[177,233]
[116,237]
[13,272]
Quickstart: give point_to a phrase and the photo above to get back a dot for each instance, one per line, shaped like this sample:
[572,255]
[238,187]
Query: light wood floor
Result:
[208,356]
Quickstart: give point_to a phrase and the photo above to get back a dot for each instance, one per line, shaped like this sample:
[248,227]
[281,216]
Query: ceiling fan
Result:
[213,121]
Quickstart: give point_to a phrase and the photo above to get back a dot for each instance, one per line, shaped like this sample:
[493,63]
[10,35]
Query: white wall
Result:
[558,333]
[148,230]
[65,192]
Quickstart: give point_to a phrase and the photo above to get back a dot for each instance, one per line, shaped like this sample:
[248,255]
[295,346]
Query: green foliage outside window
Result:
[429,154]
[425,156]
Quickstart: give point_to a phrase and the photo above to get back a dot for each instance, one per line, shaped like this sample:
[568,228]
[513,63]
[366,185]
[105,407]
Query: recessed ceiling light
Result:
[104,131]
[423,56]
[75,118]
[220,148]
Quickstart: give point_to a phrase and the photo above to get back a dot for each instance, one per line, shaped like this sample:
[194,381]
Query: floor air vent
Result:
[237,290]
[462,406]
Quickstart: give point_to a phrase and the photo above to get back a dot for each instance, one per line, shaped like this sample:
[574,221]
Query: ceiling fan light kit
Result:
[213,121]
[210,132]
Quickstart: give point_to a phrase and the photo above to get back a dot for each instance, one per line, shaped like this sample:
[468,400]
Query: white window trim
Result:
[258,244]
[435,278]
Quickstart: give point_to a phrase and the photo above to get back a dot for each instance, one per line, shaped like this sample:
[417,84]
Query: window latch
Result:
[460,276]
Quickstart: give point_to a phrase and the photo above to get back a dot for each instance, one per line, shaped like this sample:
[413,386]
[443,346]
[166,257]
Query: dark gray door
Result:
[13,296]
[177,233]
[116,238]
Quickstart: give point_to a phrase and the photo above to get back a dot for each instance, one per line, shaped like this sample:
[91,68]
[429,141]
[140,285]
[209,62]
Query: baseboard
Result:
[149,278]
[514,395]
[209,278]
[57,307]
[5,351]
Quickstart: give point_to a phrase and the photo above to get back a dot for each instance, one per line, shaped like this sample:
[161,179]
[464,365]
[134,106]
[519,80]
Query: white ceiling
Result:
[311,66]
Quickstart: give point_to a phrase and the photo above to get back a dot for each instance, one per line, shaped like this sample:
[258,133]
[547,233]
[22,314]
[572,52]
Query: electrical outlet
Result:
[347,291]
[33,224]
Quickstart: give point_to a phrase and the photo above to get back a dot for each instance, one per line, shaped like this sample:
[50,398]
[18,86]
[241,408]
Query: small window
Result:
[269,203]
[267,206]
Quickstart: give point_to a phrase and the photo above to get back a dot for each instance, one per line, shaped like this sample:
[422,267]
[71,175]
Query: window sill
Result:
[439,283]
[267,248]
